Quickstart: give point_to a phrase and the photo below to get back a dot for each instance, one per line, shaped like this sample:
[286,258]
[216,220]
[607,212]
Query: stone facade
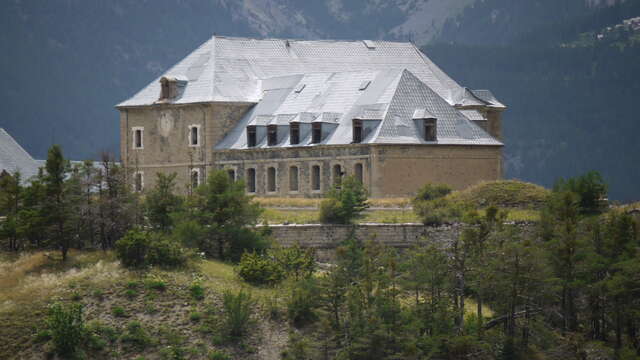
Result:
[387,170]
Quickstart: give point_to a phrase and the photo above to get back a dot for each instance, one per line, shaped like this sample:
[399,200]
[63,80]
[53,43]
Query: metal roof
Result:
[232,69]
[14,158]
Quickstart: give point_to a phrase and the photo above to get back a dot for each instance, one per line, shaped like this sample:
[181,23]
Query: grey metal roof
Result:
[474,115]
[394,97]
[14,158]
[232,69]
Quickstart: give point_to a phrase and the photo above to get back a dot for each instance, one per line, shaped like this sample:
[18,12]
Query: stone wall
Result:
[326,238]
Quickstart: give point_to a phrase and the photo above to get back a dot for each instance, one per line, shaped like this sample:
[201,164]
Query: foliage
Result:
[590,189]
[132,248]
[432,192]
[502,193]
[197,291]
[136,336]
[161,202]
[276,264]
[258,269]
[139,249]
[303,301]
[67,328]
[345,203]
[227,213]
[236,317]
[439,211]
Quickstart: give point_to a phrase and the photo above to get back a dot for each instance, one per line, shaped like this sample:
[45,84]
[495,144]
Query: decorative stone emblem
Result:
[166,123]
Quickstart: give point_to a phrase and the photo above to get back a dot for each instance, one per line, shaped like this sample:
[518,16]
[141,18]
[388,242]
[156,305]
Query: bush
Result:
[590,189]
[257,269]
[197,291]
[302,302]
[66,327]
[432,192]
[136,335]
[138,249]
[118,311]
[345,203]
[439,211]
[237,313]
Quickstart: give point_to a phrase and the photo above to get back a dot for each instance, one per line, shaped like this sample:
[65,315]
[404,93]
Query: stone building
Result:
[292,117]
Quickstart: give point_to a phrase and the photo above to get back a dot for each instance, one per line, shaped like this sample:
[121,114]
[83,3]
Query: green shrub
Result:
[195,316]
[66,326]
[138,249]
[136,336]
[218,355]
[303,301]
[258,269]
[156,284]
[130,293]
[43,336]
[197,291]
[295,261]
[99,294]
[237,313]
[439,211]
[590,188]
[173,352]
[118,311]
[344,203]
[432,192]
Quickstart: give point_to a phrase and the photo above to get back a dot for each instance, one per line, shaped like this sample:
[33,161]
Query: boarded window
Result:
[315,177]
[194,136]
[271,179]
[293,178]
[251,136]
[138,183]
[337,175]
[430,130]
[272,135]
[195,178]
[316,133]
[294,135]
[232,175]
[137,138]
[251,180]
[357,131]
[358,170]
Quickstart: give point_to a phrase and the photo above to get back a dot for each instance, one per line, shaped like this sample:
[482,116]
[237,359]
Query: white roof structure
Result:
[327,81]
[14,158]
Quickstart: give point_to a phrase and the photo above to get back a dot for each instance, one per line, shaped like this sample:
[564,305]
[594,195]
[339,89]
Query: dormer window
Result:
[316,133]
[272,135]
[430,130]
[164,89]
[169,87]
[294,136]
[251,136]
[357,131]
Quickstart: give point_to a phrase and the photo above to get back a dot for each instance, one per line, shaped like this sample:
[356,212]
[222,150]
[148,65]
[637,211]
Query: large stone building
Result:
[292,117]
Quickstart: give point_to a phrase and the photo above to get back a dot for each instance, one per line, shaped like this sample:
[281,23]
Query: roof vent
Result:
[299,88]
[364,85]
[369,44]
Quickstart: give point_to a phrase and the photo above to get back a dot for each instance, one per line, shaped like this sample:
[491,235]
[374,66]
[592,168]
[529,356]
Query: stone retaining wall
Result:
[326,238]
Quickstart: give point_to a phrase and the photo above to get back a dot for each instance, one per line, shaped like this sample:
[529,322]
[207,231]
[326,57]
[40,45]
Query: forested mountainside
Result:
[65,63]
[570,85]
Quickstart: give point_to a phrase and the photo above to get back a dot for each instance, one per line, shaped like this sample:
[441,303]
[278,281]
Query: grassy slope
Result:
[33,281]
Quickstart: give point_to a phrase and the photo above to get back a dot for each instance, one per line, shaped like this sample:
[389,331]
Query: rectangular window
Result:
[251,180]
[337,175]
[232,175]
[271,179]
[194,136]
[293,178]
[359,173]
[272,135]
[137,138]
[315,178]
[316,133]
[195,178]
[294,133]
[430,132]
[357,131]
[251,136]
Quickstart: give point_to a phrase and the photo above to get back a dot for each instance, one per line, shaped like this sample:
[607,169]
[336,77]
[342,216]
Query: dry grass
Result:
[502,193]
[271,202]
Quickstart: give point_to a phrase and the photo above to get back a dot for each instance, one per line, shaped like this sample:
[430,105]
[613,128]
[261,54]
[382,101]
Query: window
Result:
[293,178]
[430,131]
[294,133]
[316,133]
[164,89]
[251,136]
[251,180]
[272,135]
[232,175]
[315,178]
[137,137]
[337,174]
[271,179]
[357,131]
[358,170]
[195,178]
[138,181]
[194,135]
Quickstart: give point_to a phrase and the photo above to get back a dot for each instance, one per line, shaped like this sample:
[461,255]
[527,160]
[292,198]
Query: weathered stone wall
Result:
[326,238]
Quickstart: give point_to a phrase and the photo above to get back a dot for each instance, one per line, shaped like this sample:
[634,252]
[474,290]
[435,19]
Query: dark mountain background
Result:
[570,84]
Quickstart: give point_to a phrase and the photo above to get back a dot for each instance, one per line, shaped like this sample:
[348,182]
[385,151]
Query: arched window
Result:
[315,177]
[194,135]
[251,180]
[232,174]
[293,178]
[271,179]
[358,170]
[337,174]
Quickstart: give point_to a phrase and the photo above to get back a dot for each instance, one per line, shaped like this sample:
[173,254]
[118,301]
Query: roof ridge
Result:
[307,40]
